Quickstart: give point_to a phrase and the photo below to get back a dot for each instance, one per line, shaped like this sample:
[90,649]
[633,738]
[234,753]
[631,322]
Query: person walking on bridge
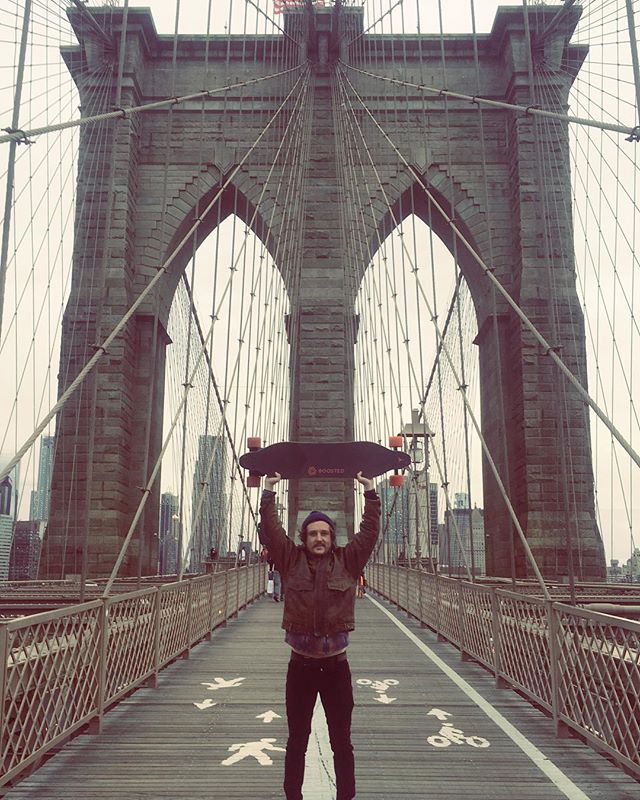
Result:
[319,612]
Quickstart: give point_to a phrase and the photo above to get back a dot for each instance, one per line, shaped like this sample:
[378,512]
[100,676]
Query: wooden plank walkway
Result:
[158,745]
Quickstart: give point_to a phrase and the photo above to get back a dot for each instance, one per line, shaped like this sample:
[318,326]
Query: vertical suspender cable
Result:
[93,381]
[634,53]
[12,157]
[463,384]
[494,309]
[561,409]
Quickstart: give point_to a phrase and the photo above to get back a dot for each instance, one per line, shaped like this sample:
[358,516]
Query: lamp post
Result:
[416,435]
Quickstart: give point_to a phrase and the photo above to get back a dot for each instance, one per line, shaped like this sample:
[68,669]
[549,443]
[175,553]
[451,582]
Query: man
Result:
[319,610]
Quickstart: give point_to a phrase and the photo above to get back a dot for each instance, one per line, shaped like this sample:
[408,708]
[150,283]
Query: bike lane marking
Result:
[544,764]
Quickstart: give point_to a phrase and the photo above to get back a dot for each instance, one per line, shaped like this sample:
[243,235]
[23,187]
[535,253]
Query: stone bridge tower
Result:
[503,192]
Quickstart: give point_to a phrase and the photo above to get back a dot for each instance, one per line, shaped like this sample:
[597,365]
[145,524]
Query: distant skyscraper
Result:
[209,529]
[168,544]
[433,516]
[8,508]
[40,495]
[469,523]
[25,550]
[6,496]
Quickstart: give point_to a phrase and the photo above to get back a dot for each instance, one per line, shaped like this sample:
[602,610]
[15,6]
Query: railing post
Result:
[187,652]
[4,655]
[210,624]
[157,606]
[439,635]
[226,596]
[560,728]
[461,621]
[237,611]
[95,725]
[496,640]
[407,606]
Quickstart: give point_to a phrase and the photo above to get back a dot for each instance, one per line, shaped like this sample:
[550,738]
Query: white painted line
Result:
[556,775]
[319,778]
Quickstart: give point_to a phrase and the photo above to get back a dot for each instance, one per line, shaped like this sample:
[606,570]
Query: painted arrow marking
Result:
[268,716]
[207,703]
[221,683]
[439,714]
[382,698]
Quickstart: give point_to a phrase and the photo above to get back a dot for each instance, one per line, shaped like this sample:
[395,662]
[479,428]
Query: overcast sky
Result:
[52,80]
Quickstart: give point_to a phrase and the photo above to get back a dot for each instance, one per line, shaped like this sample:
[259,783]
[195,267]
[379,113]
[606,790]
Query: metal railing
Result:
[582,666]
[63,669]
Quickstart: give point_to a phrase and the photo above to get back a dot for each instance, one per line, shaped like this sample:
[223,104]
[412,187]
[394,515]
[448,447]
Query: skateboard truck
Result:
[253,478]
[397,480]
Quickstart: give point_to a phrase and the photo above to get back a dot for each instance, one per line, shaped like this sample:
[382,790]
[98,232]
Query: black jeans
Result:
[331,678]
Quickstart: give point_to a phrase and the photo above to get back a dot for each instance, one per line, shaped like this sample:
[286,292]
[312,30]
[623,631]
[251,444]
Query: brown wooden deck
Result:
[158,745]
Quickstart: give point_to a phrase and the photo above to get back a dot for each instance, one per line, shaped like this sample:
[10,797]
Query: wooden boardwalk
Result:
[489,743]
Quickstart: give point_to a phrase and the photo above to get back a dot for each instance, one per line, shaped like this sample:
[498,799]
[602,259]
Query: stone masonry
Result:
[493,193]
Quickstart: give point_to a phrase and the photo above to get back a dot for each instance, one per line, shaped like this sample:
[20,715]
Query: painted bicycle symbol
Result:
[449,735]
[378,686]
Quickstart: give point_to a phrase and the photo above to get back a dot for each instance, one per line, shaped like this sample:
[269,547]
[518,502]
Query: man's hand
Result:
[271,480]
[366,482]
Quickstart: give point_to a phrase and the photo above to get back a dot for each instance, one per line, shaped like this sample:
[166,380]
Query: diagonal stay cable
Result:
[207,346]
[445,350]
[485,101]
[282,147]
[21,136]
[359,148]
[146,490]
[162,270]
[488,271]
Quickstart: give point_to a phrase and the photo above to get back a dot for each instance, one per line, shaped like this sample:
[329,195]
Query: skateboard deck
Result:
[324,460]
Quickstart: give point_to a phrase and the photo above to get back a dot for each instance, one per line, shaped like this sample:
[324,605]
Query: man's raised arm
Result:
[357,552]
[280,546]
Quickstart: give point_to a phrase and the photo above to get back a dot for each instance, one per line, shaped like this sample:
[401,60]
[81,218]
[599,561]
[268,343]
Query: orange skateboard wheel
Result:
[395,441]
[254,442]
[253,481]
[396,480]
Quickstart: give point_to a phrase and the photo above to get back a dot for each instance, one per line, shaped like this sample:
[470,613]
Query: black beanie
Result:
[318,516]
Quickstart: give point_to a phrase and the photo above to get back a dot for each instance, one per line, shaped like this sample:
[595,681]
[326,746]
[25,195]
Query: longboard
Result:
[324,460]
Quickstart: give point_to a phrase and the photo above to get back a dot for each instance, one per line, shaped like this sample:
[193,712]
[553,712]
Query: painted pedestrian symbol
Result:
[253,749]
[268,716]
[221,683]
[448,735]
[380,687]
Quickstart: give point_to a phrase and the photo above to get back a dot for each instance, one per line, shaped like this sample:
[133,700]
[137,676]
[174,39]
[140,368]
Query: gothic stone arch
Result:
[501,192]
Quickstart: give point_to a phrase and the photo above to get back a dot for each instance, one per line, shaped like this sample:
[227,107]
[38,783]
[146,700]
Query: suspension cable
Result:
[631,132]
[21,136]
[488,271]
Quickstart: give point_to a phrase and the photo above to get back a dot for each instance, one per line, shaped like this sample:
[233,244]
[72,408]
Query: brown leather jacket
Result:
[319,594]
